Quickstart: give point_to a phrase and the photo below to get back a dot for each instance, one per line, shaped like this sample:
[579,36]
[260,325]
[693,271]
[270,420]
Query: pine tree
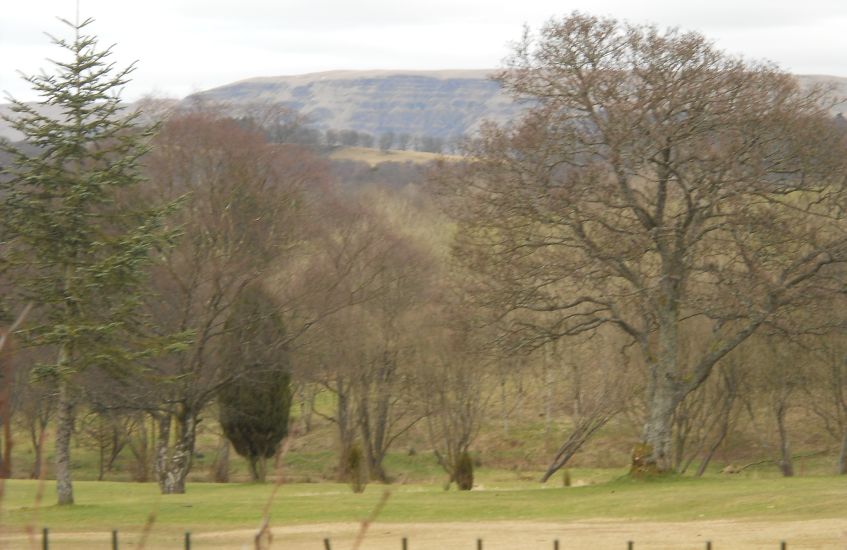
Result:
[80,250]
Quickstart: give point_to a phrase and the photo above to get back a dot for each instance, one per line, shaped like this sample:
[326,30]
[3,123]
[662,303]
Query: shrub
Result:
[464,472]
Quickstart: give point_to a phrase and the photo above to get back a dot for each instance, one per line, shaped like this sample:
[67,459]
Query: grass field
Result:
[105,505]
[218,511]
[376,156]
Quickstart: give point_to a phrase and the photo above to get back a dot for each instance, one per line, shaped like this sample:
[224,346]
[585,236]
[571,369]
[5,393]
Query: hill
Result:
[439,104]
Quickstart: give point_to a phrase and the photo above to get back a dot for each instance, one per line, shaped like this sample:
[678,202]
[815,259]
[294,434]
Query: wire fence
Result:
[327,543]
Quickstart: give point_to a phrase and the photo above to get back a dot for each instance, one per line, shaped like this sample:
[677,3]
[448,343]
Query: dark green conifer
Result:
[254,406]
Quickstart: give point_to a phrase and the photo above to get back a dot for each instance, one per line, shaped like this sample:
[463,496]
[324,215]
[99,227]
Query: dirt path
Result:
[591,535]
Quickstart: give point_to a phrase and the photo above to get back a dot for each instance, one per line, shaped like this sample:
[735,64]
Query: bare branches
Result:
[655,181]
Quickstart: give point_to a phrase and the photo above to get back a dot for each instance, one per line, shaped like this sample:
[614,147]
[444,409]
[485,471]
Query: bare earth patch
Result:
[593,535]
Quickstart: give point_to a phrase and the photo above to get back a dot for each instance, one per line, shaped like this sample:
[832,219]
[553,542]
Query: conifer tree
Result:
[254,406]
[80,249]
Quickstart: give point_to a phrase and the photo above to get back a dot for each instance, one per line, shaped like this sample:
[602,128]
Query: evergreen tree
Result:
[80,250]
[254,406]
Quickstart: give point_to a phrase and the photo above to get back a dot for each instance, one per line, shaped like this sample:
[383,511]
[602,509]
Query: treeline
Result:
[282,125]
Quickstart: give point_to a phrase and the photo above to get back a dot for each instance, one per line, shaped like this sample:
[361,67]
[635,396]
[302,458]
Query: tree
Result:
[386,140]
[655,183]
[8,382]
[600,385]
[403,141]
[255,405]
[362,353]
[243,221]
[82,253]
[451,382]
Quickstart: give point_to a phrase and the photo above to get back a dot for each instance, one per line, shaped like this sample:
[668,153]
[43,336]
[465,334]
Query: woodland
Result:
[645,270]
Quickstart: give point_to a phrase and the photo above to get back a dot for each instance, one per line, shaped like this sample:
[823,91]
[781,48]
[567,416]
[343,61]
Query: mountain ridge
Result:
[436,103]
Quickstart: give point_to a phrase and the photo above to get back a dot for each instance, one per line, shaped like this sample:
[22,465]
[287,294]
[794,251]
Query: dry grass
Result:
[375,156]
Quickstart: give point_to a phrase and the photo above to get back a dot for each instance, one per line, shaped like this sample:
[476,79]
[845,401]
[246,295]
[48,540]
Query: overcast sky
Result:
[183,46]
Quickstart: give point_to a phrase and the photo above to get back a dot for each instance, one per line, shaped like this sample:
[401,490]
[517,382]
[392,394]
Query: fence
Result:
[404,542]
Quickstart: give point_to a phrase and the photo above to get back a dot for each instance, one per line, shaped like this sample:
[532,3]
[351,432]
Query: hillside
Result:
[440,104]
[427,103]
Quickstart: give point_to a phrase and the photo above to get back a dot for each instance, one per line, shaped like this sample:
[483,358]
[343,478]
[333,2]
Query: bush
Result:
[355,470]
[464,472]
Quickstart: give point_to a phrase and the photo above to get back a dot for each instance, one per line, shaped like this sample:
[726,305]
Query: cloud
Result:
[193,44]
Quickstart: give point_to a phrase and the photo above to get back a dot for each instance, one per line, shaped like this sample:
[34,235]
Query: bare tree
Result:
[453,382]
[362,353]
[826,391]
[8,380]
[599,383]
[244,210]
[655,182]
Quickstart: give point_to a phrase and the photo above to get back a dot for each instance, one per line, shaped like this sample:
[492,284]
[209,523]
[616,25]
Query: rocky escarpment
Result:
[440,104]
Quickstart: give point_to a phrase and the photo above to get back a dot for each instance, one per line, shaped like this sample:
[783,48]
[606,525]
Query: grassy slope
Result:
[376,156]
[106,505]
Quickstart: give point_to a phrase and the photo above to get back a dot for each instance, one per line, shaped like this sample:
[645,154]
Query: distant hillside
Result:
[439,104]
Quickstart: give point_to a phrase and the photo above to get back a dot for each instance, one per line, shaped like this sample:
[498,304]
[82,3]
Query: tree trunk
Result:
[139,446]
[785,464]
[220,469]
[64,429]
[174,463]
[373,430]
[841,468]
[37,434]
[6,470]
[663,391]
[504,406]
[345,428]
[658,429]
[307,407]
[37,462]
[258,468]
[713,449]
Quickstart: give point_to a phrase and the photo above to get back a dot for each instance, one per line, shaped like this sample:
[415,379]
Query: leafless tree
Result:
[653,183]
[244,210]
[599,385]
[362,353]
[8,380]
[825,392]
[454,382]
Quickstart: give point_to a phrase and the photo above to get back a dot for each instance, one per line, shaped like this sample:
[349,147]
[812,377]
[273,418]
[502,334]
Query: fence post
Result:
[327,546]
[630,545]
[783,545]
[188,540]
[708,545]
[555,544]
[478,544]
[114,539]
[45,539]
[405,544]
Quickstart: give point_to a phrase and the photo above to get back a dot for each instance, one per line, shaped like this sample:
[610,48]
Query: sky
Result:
[184,46]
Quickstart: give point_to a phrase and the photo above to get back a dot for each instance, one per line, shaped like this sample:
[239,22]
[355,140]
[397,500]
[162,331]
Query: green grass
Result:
[206,506]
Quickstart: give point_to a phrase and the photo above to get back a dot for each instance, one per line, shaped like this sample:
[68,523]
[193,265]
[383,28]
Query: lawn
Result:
[221,514]
[107,505]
